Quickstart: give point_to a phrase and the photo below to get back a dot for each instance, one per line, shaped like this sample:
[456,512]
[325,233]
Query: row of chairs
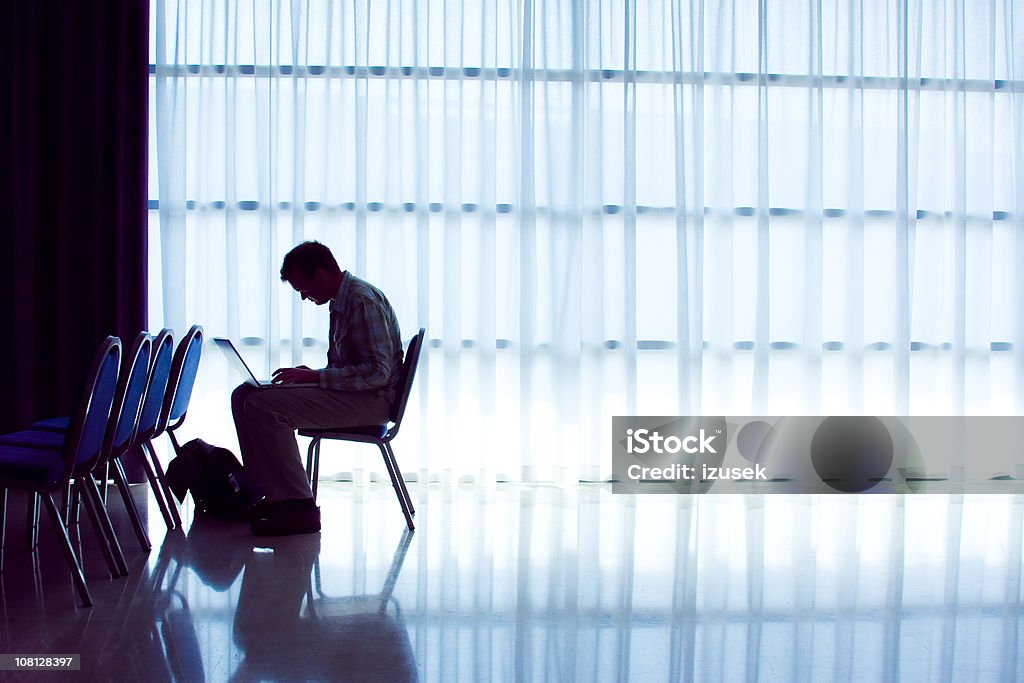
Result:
[126,403]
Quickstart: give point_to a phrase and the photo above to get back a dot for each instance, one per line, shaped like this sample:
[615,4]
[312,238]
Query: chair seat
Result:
[372,431]
[33,438]
[42,466]
[54,424]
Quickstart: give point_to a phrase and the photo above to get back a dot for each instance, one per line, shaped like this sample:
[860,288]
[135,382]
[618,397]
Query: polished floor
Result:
[518,582]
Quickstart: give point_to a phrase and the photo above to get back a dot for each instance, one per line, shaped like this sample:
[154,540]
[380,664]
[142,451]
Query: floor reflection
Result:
[284,626]
[534,582]
[316,636]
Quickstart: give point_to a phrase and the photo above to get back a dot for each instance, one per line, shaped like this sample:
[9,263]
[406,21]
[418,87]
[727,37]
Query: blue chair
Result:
[183,371]
[127,408]
[121,426]
[149,416]
[181,380]
[146,428]
[381,435]
[43,471]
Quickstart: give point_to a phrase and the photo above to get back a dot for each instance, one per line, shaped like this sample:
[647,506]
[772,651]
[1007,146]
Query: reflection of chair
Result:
[375,434]
[378,603]
[334,638]
[180,640]
[371,640]
[44,471]
[164,644]
[156,637]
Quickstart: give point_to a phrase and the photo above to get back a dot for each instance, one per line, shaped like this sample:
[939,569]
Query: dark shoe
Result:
[285,521]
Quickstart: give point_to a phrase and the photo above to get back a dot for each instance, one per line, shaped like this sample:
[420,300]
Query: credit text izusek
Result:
[678,472]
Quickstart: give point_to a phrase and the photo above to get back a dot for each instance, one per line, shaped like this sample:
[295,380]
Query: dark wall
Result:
[73,115]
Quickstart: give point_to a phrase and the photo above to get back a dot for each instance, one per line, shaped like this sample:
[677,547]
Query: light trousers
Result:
[266,420]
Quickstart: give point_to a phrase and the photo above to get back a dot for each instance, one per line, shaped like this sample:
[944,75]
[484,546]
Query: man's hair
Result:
[307,258]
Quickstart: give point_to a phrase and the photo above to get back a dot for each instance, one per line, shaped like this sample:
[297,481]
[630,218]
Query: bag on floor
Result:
[214,477]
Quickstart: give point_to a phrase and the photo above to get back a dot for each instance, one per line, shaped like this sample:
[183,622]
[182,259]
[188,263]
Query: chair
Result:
[181,379]
[43,471]
[149,416]
[146,428]
[380,435]
[121,426]
[127,409]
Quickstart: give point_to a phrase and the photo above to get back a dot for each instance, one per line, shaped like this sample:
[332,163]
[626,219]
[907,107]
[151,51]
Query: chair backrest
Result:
[89,423]
[184,368]
[412,359]
[156,384]
[131,387]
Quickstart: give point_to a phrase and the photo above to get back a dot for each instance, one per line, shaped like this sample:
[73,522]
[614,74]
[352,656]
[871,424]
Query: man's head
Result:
[311,270]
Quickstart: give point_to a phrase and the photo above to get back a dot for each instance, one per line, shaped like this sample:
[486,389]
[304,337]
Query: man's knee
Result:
[241,391]
[240,395]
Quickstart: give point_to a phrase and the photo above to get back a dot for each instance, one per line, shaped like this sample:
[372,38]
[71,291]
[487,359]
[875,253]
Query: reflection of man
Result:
[355,638]
[364,360]
[273,590]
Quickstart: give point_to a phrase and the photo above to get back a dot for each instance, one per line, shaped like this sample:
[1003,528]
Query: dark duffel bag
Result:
[214,477]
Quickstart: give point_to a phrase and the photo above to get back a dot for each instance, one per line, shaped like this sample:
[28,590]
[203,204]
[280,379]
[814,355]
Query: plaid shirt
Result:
[365,350]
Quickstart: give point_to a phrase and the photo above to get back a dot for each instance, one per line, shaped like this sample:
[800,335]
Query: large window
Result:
[611,207]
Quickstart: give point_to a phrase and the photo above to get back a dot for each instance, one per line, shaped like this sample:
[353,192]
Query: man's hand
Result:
[299,375]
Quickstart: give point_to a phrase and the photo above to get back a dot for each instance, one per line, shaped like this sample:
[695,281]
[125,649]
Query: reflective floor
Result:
[541,583]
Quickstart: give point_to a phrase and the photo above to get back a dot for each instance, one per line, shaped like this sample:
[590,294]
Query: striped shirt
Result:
[365,351]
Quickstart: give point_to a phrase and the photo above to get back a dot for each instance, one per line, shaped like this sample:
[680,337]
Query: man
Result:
[364,361]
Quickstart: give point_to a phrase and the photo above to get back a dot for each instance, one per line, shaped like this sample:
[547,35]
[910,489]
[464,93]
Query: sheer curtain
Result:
[601,208]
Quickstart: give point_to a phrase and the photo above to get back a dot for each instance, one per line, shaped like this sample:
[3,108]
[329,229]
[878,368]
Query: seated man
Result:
[364,362]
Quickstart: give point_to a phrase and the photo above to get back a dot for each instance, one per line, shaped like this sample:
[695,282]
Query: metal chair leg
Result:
[104,481]
[3,528]
[316,469]
[101,536]
[103,521]
[164,486]
[65,503]
[76,505]
[69,553]
[398,489]
[129,504]
[309,462]
[401,479]
[33,520]
[174,440]
[154,485]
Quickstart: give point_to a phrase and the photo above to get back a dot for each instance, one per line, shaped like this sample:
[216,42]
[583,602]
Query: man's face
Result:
[315,289]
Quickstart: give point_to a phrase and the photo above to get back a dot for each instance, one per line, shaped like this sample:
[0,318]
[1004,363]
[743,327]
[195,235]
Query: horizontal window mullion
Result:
[586,75]
[605,209]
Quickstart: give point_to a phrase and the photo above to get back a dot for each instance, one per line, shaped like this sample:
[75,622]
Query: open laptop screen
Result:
[236,361]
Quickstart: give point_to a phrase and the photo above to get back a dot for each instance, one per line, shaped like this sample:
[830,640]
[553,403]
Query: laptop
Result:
[235,358]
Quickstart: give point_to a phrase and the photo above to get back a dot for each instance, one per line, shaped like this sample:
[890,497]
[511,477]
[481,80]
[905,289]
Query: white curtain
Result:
[601,208]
